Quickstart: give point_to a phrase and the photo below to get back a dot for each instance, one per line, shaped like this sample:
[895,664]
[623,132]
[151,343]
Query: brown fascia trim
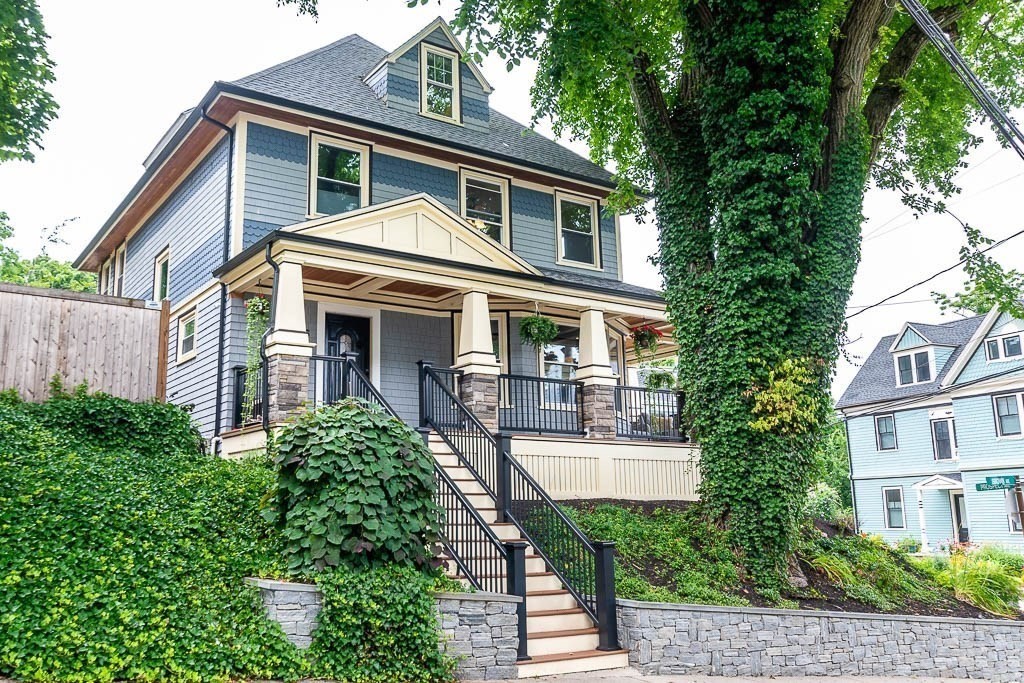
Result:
[154,182]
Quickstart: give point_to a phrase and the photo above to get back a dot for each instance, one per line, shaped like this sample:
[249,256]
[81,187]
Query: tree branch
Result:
[651,108]
[888,90]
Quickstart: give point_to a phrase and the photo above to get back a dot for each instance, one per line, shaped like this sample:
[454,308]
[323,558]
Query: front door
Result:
[959,517]
[343,334]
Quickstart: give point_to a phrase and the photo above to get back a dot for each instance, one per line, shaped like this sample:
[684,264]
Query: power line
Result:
[893,303]
[932,277]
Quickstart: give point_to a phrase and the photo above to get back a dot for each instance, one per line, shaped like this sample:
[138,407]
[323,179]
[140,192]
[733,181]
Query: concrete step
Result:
[561,642]
[573,662]
[540,621]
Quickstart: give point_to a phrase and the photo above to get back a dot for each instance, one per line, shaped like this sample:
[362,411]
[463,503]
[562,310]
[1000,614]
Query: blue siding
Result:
[404,82]
[394,177]
[191,223]
[193,383]
[276,180]
[976,432]
[871,510]
[986,510]
[942,354]
[979,366]
[476,110]
[910,340]
[914,454]
[405,339]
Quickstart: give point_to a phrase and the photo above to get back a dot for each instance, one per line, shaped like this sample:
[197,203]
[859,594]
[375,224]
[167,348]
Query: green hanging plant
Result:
[257,319]
[538,330]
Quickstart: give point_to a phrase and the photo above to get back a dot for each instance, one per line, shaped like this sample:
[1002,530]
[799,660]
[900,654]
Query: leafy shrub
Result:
[124,558]
[823,502]
[908,545]
[1011,560]
[355,487]
[378,625]
[980,580]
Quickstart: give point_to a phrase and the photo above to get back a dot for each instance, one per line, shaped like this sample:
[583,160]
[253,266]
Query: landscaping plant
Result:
[257,319]
[123,548]
[988,578]
[538,330]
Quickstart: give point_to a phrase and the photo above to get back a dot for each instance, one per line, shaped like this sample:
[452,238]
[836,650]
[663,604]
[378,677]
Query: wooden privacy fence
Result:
[114,345]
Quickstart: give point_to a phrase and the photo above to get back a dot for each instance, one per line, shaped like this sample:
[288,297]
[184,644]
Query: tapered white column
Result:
[595,362]
[920,520]
[289,335]
[476,351]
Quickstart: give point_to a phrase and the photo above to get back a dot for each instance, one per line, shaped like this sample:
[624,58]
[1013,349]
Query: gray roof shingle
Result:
[876,380]
[331,78]
[591,281]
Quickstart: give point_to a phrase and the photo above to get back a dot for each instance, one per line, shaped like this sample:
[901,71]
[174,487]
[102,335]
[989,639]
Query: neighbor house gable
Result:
[974,363]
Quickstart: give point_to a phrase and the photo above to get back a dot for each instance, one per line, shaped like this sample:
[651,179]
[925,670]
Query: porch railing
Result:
[540,404]
[585,568]
[248,405]
[652,414]
[332,378]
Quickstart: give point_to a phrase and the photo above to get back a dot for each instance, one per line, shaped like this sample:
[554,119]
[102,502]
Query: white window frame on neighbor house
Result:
[1010,503]
[183,320]
[1000,343]
[455,88]
[1020,416]
[951,426]
[885,507]
[466,174]
[878,434]
[595,226]
[162,259]
[912,354]
[318,139]
[120,257]
[104,282]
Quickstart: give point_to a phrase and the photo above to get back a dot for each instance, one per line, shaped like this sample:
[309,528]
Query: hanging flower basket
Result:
[646,338]
[538,330]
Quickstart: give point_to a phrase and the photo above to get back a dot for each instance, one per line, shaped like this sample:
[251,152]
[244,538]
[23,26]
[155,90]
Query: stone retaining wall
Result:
[481,630]
[730,641]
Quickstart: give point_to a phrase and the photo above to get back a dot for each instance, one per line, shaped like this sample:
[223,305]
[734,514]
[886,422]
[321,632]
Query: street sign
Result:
[1001,483]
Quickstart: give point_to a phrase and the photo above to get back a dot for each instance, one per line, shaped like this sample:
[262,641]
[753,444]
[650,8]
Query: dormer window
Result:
[439,91]
[914,368]
[1006,347]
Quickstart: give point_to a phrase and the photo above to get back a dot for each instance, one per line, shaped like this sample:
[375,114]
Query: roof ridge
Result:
[304,56]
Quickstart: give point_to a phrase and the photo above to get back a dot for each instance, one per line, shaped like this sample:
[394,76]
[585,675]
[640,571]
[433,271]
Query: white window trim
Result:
[373,313]
[120,261]
[954,455]
[104,282]
[1002,351]
[163,257]
[506,203]
[182,321]
[1020,417]
[595,222]
[317,139]
[913,366]
[1011,494]
[456,116]
[885,507]
[878,436]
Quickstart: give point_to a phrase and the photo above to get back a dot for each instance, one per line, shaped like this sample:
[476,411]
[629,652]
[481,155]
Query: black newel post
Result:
[607,619]
[515,576]
[423,365]
[502,487]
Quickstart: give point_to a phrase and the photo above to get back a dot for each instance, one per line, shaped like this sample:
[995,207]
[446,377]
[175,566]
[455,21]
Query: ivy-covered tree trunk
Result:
[758,261]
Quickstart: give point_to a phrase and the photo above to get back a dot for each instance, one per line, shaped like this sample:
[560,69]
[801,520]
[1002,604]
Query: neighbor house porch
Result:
[400,287]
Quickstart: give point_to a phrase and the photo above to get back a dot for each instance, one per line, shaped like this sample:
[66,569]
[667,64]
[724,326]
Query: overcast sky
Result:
[125,69]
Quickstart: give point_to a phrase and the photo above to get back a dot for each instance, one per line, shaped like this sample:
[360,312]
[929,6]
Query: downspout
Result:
[263,342]
[226,254]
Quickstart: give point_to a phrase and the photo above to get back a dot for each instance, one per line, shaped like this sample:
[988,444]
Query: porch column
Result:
[920,520]
[478,387]
[288,347]
[595,372]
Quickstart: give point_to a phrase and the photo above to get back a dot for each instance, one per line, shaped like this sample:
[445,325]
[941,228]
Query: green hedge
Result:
[123,548]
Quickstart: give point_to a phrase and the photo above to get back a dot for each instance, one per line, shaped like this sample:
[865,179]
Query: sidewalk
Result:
[633,676]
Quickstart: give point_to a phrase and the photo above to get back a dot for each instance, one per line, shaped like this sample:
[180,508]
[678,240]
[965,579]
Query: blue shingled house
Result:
[401,229]
[933,421]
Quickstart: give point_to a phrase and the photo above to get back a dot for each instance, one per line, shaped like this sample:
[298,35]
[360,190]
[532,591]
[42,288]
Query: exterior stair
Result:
[561,637]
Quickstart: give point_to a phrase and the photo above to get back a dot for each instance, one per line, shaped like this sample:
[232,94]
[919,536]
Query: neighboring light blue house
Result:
[935,411]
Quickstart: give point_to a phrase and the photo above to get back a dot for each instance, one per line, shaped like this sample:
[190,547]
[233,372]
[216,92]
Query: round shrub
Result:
[355,487]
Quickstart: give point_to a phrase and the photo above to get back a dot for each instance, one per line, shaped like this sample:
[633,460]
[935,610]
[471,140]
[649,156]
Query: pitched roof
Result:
[331,78]
[876,379]
[594,281]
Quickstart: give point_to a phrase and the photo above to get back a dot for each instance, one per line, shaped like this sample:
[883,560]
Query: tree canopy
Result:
[42,270]
[26,72]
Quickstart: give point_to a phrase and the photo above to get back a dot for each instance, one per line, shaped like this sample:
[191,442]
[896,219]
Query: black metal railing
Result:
[332,378]
[450,378]
[653,414]
[585,568]
[248,400]
[540,404]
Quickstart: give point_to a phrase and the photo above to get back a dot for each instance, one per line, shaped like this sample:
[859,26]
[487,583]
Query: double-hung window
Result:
[1007,414]
[162,276]
[484,200]
[187,336]
[578,242]
[914,368]
[944,439]
[885,432]
[893,501]
[340,181]
[439,81]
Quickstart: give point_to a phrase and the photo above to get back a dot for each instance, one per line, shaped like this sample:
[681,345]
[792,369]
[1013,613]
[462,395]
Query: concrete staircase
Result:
[561,637]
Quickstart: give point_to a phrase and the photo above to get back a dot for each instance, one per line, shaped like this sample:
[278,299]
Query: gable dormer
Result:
[430,75]
[916,359]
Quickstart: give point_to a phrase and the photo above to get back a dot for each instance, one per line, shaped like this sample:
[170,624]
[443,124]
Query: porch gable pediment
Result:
[417,224]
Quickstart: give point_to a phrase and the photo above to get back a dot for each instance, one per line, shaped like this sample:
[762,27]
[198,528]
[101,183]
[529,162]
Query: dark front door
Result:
[959,517]
[349,334]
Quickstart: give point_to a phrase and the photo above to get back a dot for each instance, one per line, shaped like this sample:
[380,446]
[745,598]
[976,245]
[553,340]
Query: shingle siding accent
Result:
[476,112]
[191,222]
[394,177]
[910,340]
[194,381]
[404,83]
[405,339]
[276,180]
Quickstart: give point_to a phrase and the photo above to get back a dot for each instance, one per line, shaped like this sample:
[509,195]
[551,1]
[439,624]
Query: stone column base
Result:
[480,394]
[287,385]
[599,411]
